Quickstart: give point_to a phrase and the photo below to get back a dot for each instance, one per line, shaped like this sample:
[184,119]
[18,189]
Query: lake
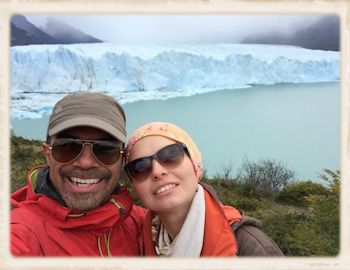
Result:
[295,124]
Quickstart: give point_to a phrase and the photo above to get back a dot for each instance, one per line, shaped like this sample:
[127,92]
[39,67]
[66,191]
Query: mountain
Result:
[24,32]
[67,34]
[322,35]
[20,36]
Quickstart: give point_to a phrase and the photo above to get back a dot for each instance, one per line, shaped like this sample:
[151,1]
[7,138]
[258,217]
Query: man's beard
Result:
[85,201]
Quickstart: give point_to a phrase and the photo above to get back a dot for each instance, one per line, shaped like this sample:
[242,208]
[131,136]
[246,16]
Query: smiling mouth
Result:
[83,183]
[165,188]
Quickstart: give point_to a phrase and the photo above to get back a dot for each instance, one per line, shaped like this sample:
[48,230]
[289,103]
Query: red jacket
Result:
[42,227]
[218,237]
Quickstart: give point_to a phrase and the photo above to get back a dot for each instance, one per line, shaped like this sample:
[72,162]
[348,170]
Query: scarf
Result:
[189,241]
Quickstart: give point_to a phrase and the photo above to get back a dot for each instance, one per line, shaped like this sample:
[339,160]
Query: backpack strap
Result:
[251,240]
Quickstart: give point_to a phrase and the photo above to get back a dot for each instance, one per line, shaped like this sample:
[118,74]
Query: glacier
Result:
[42,74]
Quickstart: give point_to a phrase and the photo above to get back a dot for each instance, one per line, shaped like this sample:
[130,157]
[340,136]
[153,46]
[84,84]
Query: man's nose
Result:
[86,159]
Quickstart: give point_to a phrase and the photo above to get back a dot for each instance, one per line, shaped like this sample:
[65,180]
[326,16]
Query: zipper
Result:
[119,206]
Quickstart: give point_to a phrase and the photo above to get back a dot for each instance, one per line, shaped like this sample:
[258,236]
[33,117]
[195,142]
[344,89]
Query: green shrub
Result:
[246,204]
[277,225]
[25,154]
[268,176]
[297,233]
[325,210]
[250,190]
[224,189]
[314,233]
[296,193]
[305,239]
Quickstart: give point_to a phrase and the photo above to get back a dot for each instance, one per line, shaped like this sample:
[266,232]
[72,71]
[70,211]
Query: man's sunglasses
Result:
[65,150]
[169,157]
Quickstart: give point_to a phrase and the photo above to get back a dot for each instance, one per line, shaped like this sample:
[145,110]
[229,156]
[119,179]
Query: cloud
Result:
[180,28]
[322,34]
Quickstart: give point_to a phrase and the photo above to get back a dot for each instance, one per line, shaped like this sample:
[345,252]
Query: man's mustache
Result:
[90,173]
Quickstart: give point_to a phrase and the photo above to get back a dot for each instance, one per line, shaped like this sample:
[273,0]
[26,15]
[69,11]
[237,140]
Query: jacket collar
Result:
[218,236]
[44,186]
[44,204]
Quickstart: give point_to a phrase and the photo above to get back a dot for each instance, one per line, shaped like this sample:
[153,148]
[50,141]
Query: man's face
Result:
[83,183]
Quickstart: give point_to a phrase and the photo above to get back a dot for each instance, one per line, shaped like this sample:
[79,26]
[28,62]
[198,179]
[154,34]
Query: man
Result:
[74,206]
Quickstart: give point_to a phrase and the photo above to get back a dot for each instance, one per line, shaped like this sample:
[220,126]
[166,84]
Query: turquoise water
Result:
[295,124]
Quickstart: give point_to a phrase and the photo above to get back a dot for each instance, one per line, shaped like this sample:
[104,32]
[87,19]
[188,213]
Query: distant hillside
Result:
[24,32]
[67,34]
[322,35]
[20,37]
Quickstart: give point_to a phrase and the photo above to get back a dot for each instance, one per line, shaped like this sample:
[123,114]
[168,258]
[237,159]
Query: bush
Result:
[278,225]
[325,209]
[224,189]
[317,232]
[249,190]
[296,193]
[298,233]
[24,155]
[268,176]
[246,204]
[306,240]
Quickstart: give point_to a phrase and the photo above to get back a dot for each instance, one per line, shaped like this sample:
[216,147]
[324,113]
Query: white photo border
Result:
[46,7]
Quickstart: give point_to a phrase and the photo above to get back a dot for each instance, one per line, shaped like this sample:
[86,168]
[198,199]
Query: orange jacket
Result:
[218,237]
[40,226]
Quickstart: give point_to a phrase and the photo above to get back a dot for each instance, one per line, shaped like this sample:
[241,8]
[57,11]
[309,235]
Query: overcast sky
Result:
[180,28]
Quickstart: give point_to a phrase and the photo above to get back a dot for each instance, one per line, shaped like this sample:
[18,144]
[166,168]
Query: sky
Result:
[179,28]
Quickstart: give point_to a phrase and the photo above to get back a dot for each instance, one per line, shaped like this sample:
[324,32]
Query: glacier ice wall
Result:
[132,73]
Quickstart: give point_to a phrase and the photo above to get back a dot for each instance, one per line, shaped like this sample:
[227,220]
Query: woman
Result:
[184,218]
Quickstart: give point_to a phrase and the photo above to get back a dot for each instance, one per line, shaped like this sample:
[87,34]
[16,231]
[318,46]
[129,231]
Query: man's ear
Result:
[46,151]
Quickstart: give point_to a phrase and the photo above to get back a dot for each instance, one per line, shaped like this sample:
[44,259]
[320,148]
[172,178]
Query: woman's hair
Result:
[172,132]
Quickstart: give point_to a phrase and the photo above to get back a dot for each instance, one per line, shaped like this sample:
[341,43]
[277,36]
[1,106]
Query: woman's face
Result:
[165,189]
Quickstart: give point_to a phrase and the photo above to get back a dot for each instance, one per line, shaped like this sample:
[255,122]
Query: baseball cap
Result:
[91,109]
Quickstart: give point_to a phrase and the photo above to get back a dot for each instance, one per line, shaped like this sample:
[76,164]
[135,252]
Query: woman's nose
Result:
[158,171]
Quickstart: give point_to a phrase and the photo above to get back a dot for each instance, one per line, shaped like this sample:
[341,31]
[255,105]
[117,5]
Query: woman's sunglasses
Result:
[65,150]
[169,157]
